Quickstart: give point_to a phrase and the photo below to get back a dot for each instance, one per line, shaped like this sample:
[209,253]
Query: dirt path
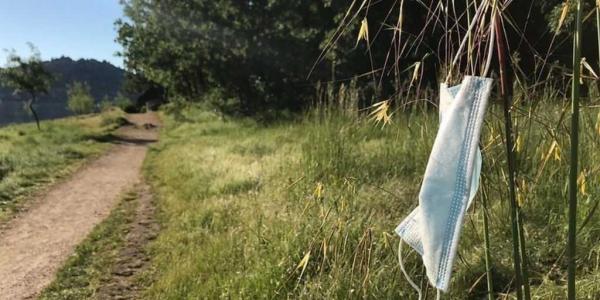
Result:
[34,245]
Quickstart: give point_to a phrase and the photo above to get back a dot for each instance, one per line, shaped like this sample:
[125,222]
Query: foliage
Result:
[123,102]
[256,51]
[80,98]
[307,209]
[28,76]
[105,103]
[261,53]
[136,84]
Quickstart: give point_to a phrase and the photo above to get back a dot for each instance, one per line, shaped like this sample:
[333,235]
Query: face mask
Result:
[451,179]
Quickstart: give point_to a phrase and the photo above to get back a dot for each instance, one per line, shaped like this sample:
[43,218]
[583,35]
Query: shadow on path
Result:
[123,140]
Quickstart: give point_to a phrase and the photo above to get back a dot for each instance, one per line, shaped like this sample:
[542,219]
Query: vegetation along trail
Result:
[35,244]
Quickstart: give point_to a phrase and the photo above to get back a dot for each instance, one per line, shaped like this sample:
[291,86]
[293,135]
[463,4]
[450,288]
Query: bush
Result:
[125,104]
[105,104]
[217,98]
[6,166]
[114,119]
[80,99]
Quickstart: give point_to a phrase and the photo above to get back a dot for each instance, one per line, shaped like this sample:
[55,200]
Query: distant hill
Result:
[103,78]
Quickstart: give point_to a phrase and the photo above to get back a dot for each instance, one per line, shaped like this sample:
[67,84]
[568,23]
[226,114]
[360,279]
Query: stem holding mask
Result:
[572,239]
[519,256]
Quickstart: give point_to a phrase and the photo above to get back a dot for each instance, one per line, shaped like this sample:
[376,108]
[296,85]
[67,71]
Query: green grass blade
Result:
[524,260]
[486,239]
[572,240]
[510,156]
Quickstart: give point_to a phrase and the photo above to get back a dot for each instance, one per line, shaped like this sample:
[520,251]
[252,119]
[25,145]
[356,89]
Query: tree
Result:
[27,76]
[80,99]
[259,52]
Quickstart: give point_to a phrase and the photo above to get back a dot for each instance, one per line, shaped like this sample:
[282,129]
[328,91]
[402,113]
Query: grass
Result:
[308,209]
[90,266]
[31,159]
[574,160]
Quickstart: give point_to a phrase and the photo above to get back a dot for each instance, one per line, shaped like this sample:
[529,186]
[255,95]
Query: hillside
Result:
[103,78]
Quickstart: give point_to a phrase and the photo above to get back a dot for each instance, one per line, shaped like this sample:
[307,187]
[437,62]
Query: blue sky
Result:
[75,28]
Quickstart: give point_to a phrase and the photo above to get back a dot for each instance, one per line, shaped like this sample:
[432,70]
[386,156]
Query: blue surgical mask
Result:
[451,179]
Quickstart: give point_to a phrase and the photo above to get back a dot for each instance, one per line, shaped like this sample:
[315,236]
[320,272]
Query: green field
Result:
[307,209]
[31,159]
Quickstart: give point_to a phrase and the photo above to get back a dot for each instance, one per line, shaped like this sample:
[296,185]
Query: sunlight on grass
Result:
[31,158]
[307,210]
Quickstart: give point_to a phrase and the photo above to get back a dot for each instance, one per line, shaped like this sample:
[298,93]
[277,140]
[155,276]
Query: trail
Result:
[34,245]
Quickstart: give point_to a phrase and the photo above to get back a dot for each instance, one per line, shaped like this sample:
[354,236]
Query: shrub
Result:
[124,103]
[106,104]
[80,99]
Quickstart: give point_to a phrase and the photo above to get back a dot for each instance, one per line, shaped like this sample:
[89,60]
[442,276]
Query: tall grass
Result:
[521,280]
[574,170]
[307,209]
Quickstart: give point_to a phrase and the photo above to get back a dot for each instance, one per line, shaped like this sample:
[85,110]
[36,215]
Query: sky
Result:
[74,28]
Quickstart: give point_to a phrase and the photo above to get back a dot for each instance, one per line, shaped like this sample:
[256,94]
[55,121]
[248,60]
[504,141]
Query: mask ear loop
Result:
[412,283]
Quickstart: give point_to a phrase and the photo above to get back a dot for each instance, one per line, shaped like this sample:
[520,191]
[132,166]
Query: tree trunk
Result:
[30,105]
